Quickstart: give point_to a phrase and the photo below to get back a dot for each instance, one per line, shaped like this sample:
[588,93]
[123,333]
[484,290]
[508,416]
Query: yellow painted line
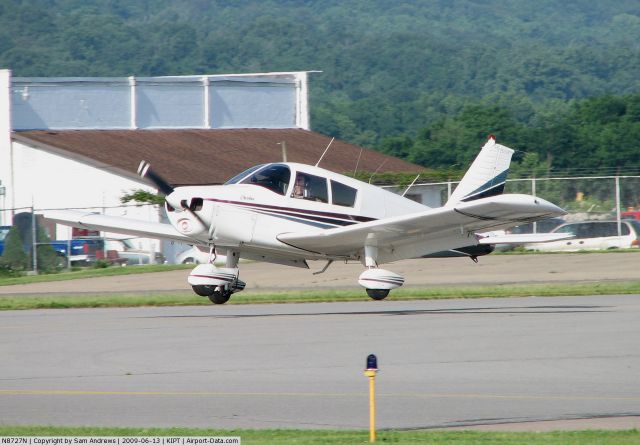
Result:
[64,392]
[510,396]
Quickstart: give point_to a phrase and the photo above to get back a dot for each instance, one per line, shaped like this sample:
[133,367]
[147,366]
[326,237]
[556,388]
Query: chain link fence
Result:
[584,198]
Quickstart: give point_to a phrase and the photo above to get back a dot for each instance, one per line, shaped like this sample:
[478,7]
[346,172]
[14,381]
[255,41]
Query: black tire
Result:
[378,294]
[219,297]
[203,290]
[189,261]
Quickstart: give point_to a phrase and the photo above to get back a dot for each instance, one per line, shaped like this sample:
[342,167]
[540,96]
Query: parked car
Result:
[544,226]
[197,256]
[126,250]
[593,235]
[84,251]
[4,231]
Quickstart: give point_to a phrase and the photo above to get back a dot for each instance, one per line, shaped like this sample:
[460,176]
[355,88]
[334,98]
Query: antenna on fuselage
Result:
[325,151]
[355,170]
[410,185]
[377,169]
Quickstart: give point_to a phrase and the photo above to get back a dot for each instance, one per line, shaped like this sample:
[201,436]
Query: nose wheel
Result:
[378,294]
[219,297]
[377,282]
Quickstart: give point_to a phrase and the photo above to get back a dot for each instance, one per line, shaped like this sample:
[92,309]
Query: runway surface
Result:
[443,363]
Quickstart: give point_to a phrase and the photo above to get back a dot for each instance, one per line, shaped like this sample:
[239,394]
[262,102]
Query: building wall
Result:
[50,181]
[269,100]
[429,195]
[33,176]
[5,143]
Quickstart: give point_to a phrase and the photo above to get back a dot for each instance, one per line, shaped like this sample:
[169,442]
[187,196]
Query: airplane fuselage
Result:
[252,210]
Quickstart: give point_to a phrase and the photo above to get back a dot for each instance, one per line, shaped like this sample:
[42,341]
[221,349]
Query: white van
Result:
[592,235]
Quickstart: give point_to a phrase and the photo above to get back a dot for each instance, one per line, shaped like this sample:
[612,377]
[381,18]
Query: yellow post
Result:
[370,371]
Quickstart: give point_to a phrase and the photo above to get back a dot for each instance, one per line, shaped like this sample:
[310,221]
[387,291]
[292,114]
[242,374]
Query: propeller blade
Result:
[145,171]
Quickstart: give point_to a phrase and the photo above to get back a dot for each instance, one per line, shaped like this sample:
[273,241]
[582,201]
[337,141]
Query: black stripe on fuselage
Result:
[301,220]
[336,219]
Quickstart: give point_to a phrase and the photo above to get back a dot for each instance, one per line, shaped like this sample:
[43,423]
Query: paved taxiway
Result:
[443,363]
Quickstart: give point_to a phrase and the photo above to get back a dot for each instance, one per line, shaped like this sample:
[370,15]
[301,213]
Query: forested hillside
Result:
[424,80]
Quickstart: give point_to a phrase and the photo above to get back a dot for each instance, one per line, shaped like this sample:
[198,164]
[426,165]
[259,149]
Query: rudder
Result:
[487,174]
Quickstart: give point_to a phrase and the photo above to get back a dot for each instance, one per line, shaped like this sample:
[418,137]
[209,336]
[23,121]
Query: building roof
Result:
[196,157]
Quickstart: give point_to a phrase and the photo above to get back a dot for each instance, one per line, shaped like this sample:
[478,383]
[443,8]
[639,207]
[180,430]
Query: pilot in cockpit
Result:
[301,187]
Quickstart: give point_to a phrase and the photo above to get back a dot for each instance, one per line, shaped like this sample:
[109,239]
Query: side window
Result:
[569,228]
[273,177]
[343,195]
[624,229]
[609,229]
[313,188]
[587,230]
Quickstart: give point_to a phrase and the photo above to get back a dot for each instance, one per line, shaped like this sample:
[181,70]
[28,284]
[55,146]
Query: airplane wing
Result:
[117,224]
[432,228]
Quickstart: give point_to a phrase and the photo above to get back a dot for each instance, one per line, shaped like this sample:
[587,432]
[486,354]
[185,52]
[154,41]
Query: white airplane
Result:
[288,213]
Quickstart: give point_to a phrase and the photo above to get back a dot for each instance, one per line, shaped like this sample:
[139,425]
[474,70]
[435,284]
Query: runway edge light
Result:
[370,371]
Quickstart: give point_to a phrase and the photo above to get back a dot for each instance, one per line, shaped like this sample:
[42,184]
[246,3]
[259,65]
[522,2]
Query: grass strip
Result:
[304,437]
[130,270]
[92,273]
[22,302]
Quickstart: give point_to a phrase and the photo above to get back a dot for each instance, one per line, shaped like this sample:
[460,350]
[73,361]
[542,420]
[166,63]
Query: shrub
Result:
[14,257]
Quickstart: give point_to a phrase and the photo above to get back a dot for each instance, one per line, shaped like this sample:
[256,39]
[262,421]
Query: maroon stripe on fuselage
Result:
[343,216]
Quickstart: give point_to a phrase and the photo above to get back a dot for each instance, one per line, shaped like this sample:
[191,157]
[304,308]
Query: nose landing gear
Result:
[217,283]
[377,282]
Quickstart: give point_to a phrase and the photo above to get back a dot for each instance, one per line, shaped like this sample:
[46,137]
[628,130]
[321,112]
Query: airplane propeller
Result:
[145,171]
[197,224]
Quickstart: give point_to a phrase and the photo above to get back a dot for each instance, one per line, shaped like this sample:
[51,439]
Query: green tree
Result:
[14,255]
[48,260]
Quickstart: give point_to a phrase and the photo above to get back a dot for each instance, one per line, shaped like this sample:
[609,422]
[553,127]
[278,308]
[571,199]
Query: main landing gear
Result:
[217,283]
[377,282]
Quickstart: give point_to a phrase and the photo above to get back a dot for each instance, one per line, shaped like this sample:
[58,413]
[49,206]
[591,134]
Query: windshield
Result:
[239,176]
[274,177]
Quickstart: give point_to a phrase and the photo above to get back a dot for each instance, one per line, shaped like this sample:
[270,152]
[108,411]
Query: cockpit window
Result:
[239,176]
[274,177]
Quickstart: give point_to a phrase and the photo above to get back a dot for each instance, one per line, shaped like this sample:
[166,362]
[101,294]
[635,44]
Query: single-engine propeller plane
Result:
[289,213]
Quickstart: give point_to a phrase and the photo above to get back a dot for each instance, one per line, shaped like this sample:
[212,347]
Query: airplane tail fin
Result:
[486,176]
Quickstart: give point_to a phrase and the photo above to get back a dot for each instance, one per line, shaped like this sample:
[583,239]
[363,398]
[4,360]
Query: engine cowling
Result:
[380,279]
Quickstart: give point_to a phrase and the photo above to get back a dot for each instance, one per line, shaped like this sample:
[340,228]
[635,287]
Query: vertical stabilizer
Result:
[486,176]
